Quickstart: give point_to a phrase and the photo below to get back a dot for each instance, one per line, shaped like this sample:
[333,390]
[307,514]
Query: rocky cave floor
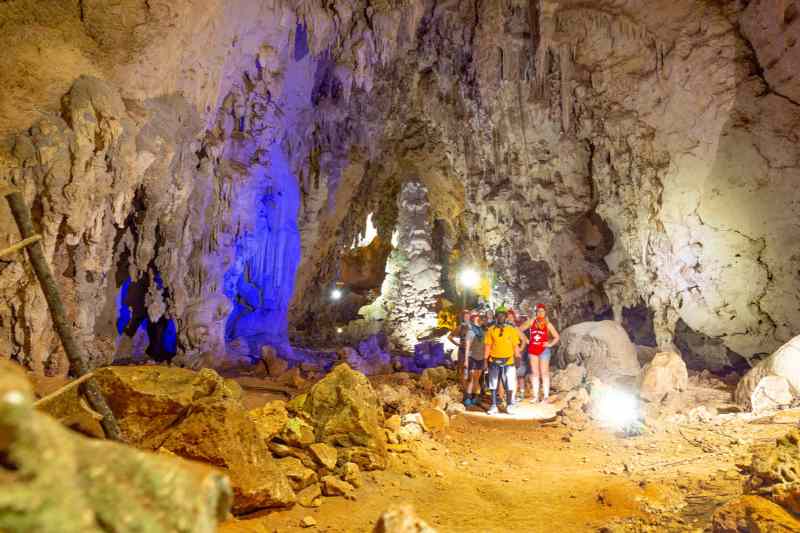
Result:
[477,473]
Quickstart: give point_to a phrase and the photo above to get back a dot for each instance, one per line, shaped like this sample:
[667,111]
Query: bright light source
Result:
[469,277]
[616,409]
[336,294]
[339,330]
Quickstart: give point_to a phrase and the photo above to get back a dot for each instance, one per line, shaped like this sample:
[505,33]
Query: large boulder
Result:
[665,373]
[603,348]
[62,481]
[221,433]
[785,363]
[771,392]
[147,400]
[270,419]
[347,414]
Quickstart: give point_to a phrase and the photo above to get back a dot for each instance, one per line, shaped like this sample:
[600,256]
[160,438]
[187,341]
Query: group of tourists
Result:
[497,352]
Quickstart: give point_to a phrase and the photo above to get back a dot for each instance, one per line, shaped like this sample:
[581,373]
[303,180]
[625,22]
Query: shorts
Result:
[505,373]
[476,364]
[544,356]
[523,367]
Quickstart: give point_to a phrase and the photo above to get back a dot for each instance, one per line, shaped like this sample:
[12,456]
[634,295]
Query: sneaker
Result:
[468,402]
[492,410]
[520,396]
[511,408]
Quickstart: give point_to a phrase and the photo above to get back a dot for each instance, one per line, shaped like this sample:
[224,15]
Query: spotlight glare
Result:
[616,409]
[336,294]
[469,277]
[339,330]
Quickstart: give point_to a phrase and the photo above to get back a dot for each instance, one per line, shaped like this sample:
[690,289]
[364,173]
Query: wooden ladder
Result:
[31,243]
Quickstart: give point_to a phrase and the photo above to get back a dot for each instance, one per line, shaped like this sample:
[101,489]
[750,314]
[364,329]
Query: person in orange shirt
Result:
[502,347]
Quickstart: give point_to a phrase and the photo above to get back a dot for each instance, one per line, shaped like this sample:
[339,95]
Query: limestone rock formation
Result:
[346,414]
[90,485]
[664,374]
[413,278]
[603,348]
[610,158]
[784,363]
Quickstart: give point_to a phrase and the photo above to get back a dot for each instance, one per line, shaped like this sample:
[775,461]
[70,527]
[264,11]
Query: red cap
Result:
[539,306]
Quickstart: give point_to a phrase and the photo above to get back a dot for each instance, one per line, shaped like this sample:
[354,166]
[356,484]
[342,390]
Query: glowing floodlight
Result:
[469,277]
[616,409]
[336,294]
[339,330]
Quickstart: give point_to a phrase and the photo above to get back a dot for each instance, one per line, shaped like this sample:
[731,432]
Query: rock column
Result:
[413,280]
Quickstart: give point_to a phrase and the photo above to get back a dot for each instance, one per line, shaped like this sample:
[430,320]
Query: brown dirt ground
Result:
[501,475]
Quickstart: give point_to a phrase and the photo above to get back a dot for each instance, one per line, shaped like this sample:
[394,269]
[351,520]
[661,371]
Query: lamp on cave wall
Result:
[469,278]
[336,294]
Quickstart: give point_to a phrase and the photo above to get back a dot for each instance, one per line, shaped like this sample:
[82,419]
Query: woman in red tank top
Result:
[542,336]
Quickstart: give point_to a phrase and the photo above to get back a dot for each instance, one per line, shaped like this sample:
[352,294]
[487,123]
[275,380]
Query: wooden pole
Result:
[77,361]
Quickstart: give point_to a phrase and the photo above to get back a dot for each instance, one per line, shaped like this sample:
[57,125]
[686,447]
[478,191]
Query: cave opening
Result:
[134,324]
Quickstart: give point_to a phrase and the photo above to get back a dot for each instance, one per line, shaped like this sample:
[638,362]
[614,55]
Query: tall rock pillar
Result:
[413,279]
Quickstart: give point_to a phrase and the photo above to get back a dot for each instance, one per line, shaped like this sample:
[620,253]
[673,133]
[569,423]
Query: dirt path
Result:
[501,475]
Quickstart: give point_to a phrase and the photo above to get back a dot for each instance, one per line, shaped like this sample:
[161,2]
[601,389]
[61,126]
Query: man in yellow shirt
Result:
[502,348]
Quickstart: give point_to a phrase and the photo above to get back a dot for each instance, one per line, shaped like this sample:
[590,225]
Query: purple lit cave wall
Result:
[261,281]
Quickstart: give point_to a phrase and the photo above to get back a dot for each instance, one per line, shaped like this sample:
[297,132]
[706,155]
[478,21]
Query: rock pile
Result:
[82,485]
[276,455]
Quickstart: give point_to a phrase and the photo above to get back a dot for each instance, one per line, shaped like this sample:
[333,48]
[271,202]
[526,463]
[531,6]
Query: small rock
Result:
[410,432]
[333,486]
[310,496]
[308,521]
[435,419]
[352,474]
[297,432]
[326,455]
[401,520]
[455,409]
[434,378]
[440,401]
[394,423]
[298,475]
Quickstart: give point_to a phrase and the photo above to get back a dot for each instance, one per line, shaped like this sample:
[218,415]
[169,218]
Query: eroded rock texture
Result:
[202,166]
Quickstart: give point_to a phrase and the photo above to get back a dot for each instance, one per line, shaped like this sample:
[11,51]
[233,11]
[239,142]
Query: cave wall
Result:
[232,150]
